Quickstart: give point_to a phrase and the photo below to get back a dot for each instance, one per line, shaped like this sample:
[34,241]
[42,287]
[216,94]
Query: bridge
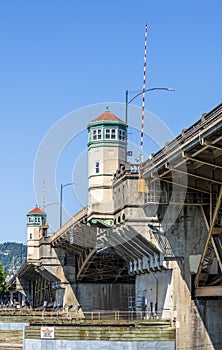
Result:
[186,172]
[163,252]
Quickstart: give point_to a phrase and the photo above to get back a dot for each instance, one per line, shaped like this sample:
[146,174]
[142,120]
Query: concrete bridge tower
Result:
[106,154]
[37,228]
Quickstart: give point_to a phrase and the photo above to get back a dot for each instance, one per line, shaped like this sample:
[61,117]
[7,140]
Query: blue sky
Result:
[59,56]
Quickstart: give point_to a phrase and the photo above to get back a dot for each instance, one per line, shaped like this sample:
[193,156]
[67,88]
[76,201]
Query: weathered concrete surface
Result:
[128,203]
[197,321]
[11,340]
[18,326]
[11,335]
[31,344]
[90,334]
[121,335]
[104,296]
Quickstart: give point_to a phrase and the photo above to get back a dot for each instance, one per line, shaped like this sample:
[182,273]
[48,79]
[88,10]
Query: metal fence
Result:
[111,315]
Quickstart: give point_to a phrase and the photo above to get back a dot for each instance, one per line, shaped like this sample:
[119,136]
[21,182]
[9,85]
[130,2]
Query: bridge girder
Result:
[197,155]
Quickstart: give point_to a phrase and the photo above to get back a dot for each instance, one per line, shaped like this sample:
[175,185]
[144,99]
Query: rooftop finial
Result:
[107,108]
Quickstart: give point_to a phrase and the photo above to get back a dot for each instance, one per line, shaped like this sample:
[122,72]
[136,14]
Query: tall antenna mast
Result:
[143,97]
[43,199]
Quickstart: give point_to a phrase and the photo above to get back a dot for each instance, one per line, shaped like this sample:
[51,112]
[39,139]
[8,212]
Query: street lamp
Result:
[140,93]
[134,97]
[49,205]
[61,188]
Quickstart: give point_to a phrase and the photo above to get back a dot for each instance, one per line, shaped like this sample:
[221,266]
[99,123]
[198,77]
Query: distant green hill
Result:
[12,255]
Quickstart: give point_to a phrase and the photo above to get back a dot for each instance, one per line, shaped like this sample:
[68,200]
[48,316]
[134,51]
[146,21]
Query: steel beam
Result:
[204,259]
[209,291]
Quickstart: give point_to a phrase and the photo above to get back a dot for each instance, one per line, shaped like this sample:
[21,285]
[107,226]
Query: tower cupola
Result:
[36,217]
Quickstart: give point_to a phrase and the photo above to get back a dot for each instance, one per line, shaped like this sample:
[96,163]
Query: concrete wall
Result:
[33,344]
[156,289]
[15,326]
[52,344]
[11,335]
[104,296]
[61,264]
[197,321]
[128,203]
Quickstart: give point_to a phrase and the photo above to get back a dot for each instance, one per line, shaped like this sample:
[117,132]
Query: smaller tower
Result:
[37,228]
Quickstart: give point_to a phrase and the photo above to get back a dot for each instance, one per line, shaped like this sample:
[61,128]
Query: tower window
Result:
[121,134]
[94,134]
[110,134]
[97,134]
[97,167]
[30,236]
[113,133]
[107,133]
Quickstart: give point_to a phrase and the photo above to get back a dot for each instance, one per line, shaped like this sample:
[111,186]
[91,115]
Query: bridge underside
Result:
[35,284]
[188,171]
[104,255]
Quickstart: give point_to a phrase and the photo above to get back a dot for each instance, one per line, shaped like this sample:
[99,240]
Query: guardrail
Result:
[69,224]
[164,198]
[129,314]
[95,315]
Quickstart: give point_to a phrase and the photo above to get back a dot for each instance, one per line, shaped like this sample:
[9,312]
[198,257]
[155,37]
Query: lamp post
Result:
[140,93]
[134,97]
[50,204]
[61,189]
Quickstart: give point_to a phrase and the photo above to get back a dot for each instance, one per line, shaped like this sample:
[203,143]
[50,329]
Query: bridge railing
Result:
[130,314]
[74,220]
[163,197]
[113,315]
[185,137]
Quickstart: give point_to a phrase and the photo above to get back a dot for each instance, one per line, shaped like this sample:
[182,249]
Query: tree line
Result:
[3,283]
[12,255]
